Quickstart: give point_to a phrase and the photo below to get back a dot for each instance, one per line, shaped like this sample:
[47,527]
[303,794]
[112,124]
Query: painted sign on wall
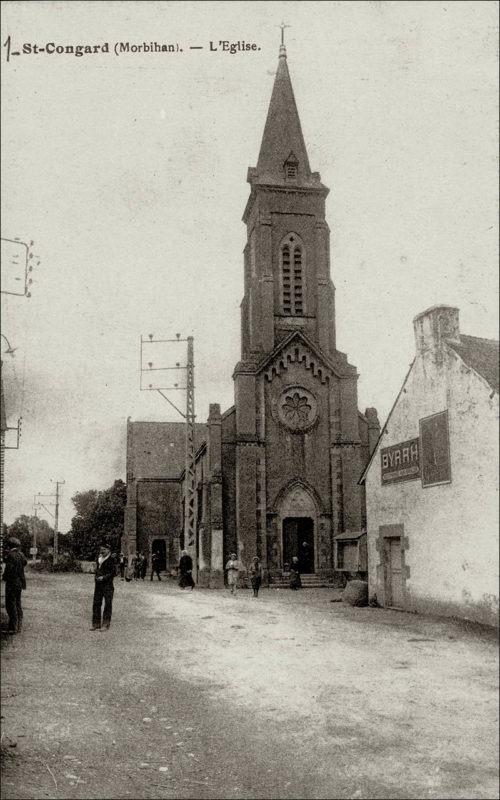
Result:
[400,462]
[435,447]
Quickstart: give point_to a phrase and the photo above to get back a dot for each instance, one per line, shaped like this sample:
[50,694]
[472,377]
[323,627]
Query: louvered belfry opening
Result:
[292,277]
[297,277]
[287,280]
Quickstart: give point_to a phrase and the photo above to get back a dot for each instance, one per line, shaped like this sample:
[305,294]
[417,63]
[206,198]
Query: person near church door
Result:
[232,569]
[144,566]
[155,565]
[15,582]
[122,563]
[255,572]
[295,581]
[104,573]
[186,570]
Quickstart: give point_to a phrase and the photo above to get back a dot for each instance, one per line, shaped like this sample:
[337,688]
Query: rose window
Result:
[297,408]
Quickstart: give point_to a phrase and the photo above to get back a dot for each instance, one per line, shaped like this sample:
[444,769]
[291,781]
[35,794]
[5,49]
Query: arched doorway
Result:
[160,546]
[298,518]
[298,540]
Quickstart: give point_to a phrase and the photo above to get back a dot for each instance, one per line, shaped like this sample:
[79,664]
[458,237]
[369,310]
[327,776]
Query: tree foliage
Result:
[22,528]
[99,519]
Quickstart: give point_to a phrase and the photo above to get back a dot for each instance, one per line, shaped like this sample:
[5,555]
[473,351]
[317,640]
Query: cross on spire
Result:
[283,26]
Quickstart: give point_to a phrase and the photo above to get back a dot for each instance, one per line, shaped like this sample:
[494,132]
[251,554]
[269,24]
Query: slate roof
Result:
[481,355]
[349,536]
[282,131]
[158,449]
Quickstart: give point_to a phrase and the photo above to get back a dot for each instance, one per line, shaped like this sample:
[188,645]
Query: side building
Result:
[156,454]
[432,481]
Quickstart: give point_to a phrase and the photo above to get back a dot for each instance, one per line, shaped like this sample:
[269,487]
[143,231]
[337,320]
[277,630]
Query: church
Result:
[277,473]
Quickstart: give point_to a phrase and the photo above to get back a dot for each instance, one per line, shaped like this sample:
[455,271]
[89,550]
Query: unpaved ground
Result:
[202,695]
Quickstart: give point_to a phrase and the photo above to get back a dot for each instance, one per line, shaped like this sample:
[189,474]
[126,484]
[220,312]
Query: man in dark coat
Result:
[104,573]
[15,582]
[155,565]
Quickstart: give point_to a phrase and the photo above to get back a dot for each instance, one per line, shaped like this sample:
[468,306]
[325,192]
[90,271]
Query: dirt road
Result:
[202,695]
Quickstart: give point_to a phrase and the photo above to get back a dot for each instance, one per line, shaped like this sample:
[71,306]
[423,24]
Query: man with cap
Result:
[15,582]
[104,573]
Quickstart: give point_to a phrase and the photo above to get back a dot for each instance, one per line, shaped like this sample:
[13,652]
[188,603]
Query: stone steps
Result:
[308,582]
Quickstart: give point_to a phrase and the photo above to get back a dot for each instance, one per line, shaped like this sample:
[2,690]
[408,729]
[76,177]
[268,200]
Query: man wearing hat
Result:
[104,573]
[15,582]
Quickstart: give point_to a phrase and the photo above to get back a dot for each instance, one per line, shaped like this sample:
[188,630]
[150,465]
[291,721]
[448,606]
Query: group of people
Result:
[105,572]
[136,568]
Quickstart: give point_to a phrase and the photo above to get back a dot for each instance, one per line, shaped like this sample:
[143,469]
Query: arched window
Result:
[292,276]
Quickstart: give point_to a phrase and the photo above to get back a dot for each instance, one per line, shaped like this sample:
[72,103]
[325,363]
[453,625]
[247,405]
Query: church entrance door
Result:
[159,546]
[298,540]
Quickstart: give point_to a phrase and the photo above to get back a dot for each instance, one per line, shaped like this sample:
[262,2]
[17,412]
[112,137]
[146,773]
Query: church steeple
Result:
[282,131]
[287,263]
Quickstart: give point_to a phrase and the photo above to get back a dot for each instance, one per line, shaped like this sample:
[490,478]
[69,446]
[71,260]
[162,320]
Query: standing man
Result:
[122,564]
[104,574]
[155,565]
[15,582]
[144,566]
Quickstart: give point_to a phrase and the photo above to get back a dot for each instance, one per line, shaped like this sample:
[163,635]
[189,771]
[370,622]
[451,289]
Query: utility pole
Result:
[190,505]
[190,475]
[35,523]
[56,520]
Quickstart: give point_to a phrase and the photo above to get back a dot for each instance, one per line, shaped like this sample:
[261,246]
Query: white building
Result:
[431,483]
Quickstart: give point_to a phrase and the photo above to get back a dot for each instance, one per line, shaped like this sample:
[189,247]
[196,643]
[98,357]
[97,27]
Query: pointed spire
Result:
[282,131]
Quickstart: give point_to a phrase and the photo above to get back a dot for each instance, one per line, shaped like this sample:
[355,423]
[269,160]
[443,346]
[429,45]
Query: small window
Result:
[291,167]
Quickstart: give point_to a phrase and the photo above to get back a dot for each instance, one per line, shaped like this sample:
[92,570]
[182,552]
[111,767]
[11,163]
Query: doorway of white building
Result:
[393,563]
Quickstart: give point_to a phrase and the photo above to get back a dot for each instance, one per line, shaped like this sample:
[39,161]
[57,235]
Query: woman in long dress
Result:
[186,570]
[232,569]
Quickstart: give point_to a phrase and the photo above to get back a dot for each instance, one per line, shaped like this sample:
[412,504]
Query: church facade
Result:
[278,473]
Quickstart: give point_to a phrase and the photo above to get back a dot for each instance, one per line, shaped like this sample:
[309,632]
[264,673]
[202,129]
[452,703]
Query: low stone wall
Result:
[87,566]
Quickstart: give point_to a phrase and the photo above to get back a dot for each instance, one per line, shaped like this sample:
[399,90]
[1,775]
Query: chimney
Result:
[373,428]
[435,326]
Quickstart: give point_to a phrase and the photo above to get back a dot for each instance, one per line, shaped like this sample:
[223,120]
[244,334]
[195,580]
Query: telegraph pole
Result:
[35,523]
[190,476]
[190,505]
[56,520]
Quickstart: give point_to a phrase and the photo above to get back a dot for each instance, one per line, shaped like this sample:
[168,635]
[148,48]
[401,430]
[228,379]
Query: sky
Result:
[129,172]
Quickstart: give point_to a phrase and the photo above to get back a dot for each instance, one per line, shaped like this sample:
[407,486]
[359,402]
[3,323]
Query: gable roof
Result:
[384,426]
[481,355]
[158,449]
[338,366]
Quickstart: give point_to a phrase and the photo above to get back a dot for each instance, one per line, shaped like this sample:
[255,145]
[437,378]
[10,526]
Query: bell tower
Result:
[296,430]
[287,265]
